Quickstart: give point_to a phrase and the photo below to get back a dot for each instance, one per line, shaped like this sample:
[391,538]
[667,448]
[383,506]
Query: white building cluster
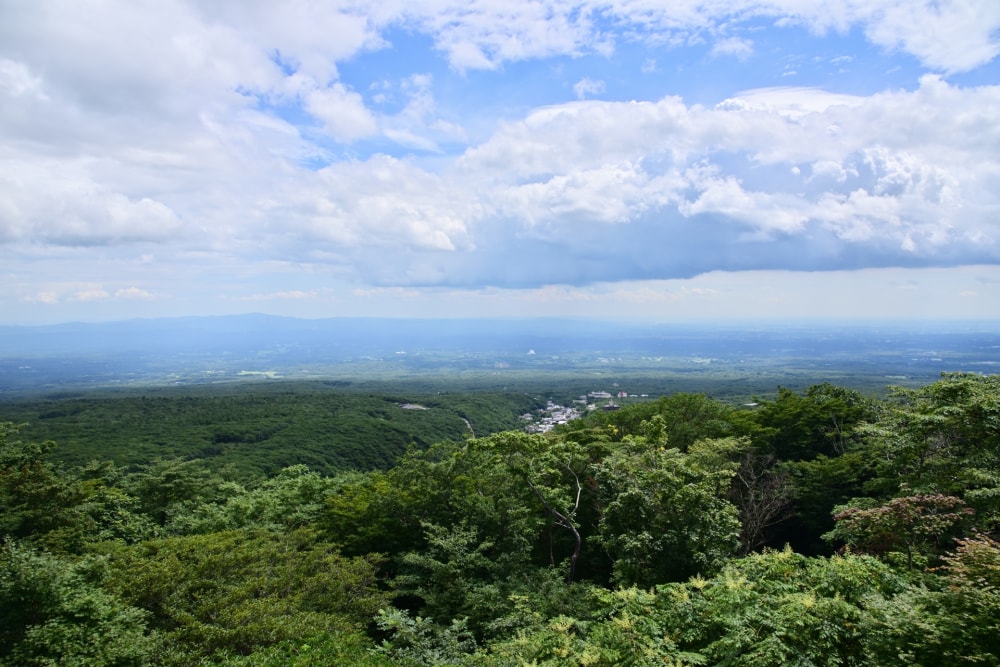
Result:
[554,414]
[549,418]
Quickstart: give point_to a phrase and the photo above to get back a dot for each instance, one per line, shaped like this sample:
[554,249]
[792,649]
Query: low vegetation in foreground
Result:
[816,527]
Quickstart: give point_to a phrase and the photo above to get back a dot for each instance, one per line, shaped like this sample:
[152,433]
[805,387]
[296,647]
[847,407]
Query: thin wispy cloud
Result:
[292,155]
[585,88]
[736,47]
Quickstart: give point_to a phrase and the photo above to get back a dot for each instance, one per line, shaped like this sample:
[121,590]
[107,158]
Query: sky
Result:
[627,159]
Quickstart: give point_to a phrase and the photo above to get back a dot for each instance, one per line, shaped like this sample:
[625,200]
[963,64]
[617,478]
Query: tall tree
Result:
[54,611]
[38,502]
[664,514]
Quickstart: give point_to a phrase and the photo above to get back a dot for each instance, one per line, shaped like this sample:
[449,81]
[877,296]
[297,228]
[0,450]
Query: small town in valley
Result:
[554,414]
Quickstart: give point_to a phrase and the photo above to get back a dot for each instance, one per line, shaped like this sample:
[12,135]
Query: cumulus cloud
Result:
[342,112]
[388,203]
[484,35]
[727,177]
[231,131]
[951,36]
[60,204]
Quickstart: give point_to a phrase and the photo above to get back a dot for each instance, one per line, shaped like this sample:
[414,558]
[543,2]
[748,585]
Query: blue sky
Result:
[637,159]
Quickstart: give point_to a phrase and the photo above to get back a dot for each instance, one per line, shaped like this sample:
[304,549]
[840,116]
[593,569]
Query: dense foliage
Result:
[815,528]
[261,427]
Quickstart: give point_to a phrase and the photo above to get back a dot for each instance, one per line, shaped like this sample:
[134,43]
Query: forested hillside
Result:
[261,427]
[821,527]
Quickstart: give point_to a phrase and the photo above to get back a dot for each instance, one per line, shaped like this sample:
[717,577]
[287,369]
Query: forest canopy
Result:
[821,527]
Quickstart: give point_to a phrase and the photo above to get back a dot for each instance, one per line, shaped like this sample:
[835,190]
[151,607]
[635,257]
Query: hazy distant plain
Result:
[556,355]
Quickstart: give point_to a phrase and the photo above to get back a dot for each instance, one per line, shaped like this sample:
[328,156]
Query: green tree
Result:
[623,627]
[943,438]
[768,609]
[557,472]
[293,498]
[684,417]
[237,592]
[796,427]
[952,621]
[816,487]
[449,484]
[416,640]
[763,495]
[38,503]
[172,488]
[664,515]
[372,513]
[53,611]
[459,575]
[781,608]
[969,613]
[321,650]
[915,525]
[802,449]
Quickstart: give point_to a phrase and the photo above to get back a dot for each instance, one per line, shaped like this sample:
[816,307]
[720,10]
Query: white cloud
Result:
[93,294]
[417,124]
[342,112]
[48,298]
[610,193]
[954,35]
[736,47]
[294,295]
[394,292]
[901,190]
[949,36]
[383,204]
[193,128]
[762,211]
[16,80]
[894,173]
[485,34]
[132,293]
[789,102]
[755,295]
[59,203]
[587,88]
